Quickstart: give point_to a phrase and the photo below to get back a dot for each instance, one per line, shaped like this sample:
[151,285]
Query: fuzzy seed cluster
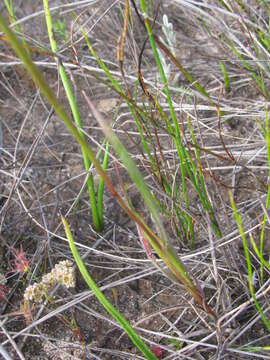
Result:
[63,273]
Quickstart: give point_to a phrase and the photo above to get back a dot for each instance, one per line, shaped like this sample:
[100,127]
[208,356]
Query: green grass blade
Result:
[135,338]
[101,185]
[258,81]
[249,266]
[268,192]
[10,9]
[224,5]
[257,252]
[75,111]
[226,76]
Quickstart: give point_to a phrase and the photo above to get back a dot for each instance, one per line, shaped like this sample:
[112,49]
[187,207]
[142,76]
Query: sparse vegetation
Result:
[173,236]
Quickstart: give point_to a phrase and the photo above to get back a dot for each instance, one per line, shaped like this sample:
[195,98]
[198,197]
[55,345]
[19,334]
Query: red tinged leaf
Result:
[19,264]
[158,351]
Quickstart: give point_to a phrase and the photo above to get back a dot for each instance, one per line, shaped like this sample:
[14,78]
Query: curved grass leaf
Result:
[135,338]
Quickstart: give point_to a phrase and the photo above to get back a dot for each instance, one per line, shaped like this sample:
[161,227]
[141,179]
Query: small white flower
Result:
[63,273]
[48,280]
[34,293]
